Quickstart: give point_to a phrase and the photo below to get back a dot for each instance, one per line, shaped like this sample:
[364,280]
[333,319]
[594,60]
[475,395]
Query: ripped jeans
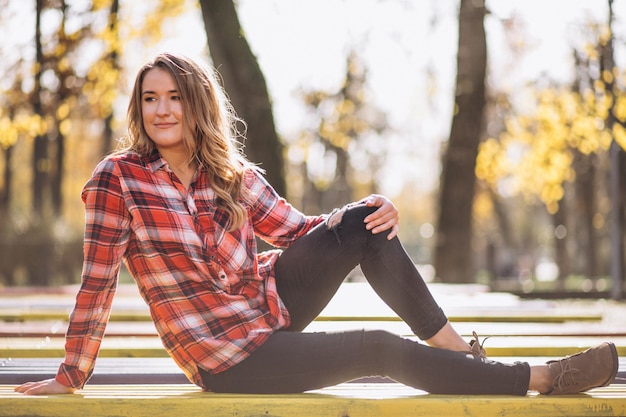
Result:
[308,274]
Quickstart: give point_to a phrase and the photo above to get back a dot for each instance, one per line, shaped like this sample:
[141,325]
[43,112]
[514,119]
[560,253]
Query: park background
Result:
[496,127]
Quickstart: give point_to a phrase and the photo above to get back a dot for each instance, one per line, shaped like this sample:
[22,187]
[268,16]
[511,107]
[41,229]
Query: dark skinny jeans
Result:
[308,274]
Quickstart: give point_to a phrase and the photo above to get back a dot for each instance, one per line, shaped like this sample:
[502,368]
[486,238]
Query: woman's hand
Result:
[386,217]
[47,386]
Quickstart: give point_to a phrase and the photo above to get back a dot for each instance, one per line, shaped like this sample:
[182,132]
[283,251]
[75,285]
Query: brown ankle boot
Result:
[594,367]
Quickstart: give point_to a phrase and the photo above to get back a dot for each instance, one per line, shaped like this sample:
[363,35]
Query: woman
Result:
[181,207]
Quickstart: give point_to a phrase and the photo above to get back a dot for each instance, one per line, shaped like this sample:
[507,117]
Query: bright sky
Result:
[304,44]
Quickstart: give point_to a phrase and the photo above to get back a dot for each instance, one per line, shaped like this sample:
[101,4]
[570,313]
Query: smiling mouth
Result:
[164,125]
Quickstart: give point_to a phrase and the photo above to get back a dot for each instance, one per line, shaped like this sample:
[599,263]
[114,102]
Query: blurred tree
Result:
[244,82]
[56,97]
[564,138]
[586,166]
[453,250]
[617,186]
[111,64]
[347,148]
[58,104]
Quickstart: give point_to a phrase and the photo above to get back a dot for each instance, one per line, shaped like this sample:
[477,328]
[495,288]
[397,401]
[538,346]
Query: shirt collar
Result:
[155,161]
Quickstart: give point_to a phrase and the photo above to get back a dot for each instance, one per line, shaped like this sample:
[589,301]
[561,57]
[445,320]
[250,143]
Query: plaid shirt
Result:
[212,297]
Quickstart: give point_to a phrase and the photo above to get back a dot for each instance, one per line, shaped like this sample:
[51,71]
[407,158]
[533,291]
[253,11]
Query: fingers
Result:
[24,388]
[393,233]
[378,226]
[48,386]
[386,217]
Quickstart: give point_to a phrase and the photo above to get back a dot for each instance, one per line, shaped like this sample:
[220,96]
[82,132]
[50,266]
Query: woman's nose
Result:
[163,107]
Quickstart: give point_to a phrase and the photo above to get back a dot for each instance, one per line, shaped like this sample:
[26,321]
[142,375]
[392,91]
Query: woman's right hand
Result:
[47,386]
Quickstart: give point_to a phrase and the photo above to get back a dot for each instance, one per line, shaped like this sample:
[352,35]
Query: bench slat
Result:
[366,400]
[25,347]
[140,329]
[454,316]
[153,370]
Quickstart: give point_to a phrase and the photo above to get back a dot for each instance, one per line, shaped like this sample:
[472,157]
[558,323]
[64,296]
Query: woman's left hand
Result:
[386,217]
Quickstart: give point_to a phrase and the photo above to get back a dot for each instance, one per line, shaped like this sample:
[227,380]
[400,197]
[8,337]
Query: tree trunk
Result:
[39,238]
[113,56]
[40,147]
[585,186]
[245,85]
[7,179]
[561,257]
[453,252]
[617,186]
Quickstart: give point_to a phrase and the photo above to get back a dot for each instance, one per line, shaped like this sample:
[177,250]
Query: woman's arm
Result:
[279,223]
[274,219]
[106,236]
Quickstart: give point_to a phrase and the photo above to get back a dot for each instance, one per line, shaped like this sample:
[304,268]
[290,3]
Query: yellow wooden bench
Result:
[522,331]
[350,399]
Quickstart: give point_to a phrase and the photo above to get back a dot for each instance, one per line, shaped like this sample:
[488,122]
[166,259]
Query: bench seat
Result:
[135,377]
[353,400]
[156,370]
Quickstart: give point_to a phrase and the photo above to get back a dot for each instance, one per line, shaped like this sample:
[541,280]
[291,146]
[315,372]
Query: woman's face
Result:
[162,110]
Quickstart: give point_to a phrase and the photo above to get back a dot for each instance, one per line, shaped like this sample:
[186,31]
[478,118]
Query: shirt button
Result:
[222,276]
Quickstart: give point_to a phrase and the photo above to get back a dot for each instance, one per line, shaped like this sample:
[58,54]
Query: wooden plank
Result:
[24,347]
[156,370]
[484,329]
[107,371]
[41,314]
[492,316]
[59,328]
[483,316]
[366,400]
[141,329]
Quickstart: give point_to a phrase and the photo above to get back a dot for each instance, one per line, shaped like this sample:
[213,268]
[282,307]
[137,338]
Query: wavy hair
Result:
[210,124]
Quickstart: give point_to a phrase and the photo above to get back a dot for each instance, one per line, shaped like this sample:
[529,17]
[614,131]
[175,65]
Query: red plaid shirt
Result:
[211,295]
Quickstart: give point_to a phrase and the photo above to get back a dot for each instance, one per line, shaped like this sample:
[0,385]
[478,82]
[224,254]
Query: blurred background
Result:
[496,127]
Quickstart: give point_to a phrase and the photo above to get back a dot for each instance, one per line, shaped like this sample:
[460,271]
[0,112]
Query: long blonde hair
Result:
[211,126]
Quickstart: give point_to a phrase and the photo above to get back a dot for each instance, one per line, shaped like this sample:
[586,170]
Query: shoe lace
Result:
[567,376]
[476,347]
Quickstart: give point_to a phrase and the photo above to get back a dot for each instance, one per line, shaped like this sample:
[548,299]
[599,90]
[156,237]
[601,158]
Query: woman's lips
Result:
[164,125]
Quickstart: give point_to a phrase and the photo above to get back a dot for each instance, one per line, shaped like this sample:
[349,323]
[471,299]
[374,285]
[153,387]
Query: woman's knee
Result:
[349,217]
[380,338]
[381,347]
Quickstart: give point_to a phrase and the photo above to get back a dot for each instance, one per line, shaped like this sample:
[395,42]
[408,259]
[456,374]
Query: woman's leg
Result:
[309,272]
[295,362]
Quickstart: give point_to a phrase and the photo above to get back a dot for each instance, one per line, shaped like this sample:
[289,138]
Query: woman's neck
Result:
[183,166]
